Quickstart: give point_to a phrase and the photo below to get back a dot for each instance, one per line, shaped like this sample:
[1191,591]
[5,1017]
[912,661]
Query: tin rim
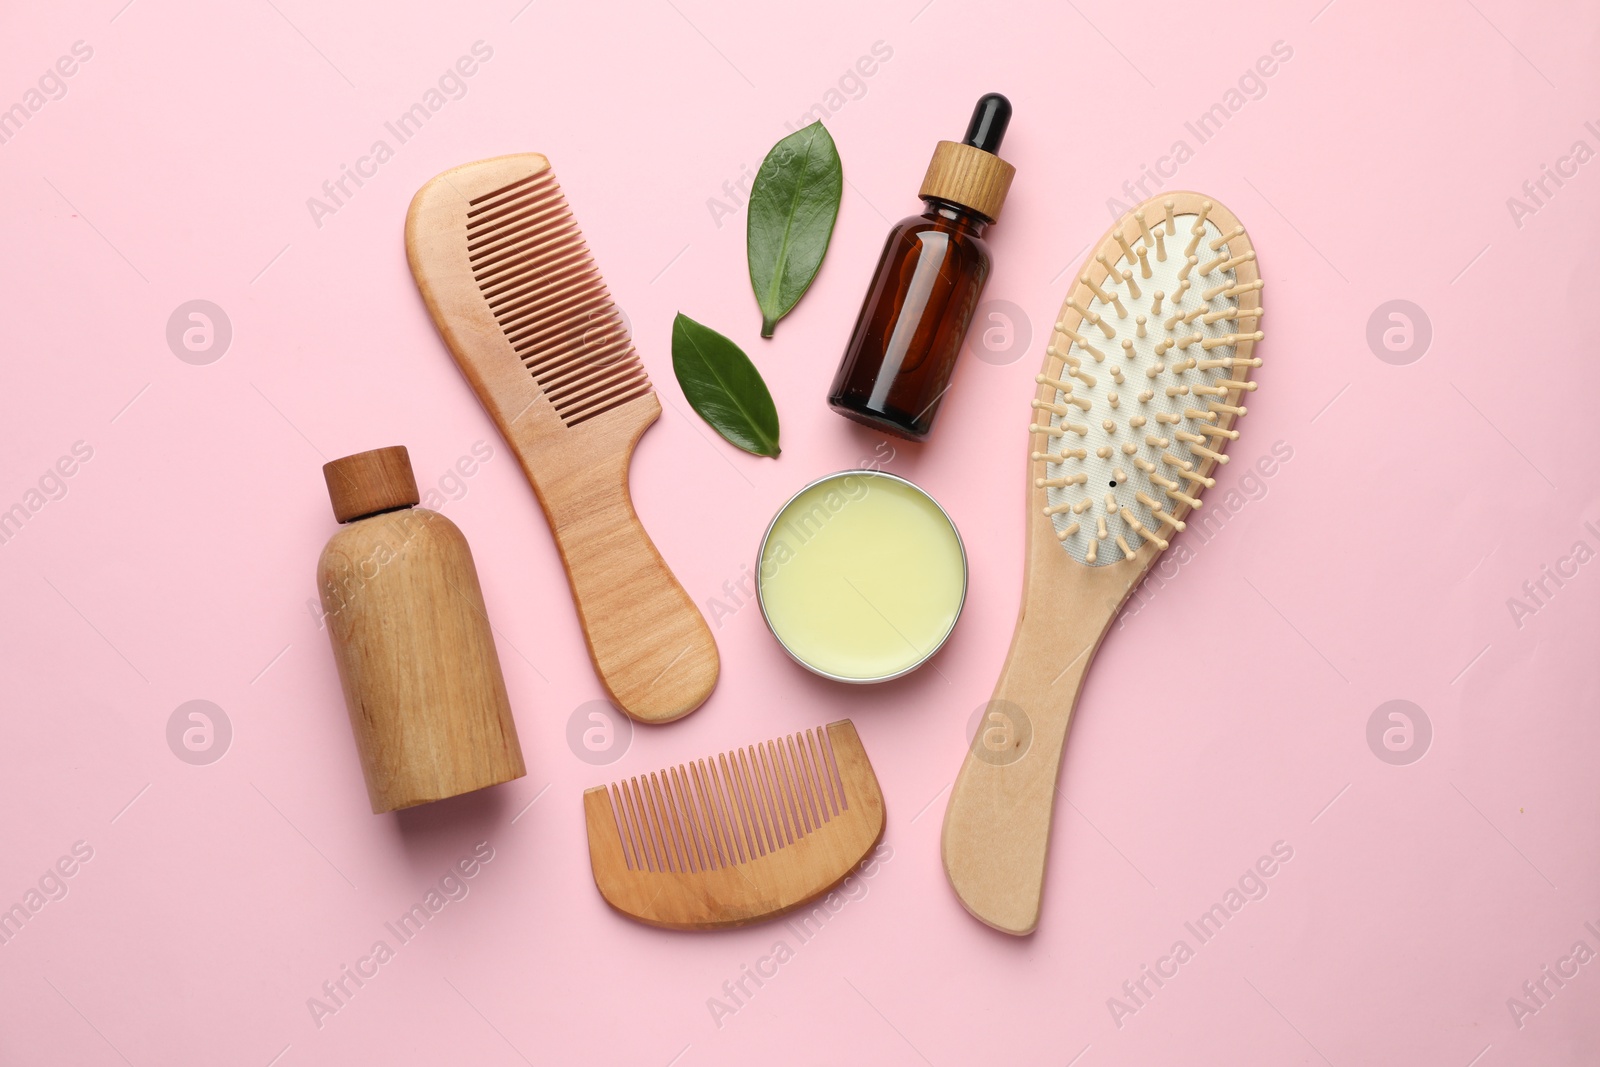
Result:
[761,595]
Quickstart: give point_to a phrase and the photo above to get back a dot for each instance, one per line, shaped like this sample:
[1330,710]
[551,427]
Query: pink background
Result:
[1374,565]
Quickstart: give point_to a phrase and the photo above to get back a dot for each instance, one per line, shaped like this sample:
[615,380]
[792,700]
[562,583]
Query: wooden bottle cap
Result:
[369,482]
[968,176]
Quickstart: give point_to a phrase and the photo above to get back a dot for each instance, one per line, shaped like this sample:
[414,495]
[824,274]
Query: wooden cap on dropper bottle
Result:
[970,173]
[368,483]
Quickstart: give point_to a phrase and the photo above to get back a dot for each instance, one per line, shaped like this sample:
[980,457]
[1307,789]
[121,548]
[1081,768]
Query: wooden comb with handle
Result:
[505,273]
[737,838]
[1142,382]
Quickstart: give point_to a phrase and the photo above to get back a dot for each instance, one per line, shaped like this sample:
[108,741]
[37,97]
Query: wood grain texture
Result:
[969,176]
[738,838]
[502,269]
[369,482]
[416,659]
[997,824]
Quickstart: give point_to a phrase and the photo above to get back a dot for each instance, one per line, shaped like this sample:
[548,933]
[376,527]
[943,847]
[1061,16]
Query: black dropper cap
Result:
[989,121]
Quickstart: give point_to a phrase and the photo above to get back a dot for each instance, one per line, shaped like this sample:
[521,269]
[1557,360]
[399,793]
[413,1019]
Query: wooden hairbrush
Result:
[1142,383]
[738,838]
[505,273]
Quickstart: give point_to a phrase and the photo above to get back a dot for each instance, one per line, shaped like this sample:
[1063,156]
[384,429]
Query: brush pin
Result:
[1217,431]
[1141,529]
[1127,249]
[1217,242]
[1231,313]
[1228,339]
[1155,509]
[1179,495]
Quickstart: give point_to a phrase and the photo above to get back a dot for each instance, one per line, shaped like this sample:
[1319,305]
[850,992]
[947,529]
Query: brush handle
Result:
[651,647]
[997,824]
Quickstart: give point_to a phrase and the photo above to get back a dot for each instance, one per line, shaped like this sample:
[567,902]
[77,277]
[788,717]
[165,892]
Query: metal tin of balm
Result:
[862,576]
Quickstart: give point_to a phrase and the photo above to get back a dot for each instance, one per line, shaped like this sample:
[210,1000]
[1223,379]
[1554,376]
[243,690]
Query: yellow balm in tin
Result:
[862,576]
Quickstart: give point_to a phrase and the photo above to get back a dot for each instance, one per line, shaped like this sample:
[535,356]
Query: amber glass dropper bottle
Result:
[898,363]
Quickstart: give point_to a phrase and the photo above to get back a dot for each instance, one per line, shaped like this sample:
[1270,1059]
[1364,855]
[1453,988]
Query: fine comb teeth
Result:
[1143,379]
[534,269]
[739,837]
[504,271]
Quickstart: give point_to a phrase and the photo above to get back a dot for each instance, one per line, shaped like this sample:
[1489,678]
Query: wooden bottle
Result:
[416,657]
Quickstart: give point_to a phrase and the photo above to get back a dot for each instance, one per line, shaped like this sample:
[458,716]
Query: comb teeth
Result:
[534,270]
[731,809]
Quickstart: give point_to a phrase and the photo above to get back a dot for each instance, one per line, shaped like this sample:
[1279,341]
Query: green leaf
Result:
[724,387]
[793,205]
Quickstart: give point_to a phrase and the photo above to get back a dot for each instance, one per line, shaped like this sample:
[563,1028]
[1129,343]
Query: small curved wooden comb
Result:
[505,273]
[737,838]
